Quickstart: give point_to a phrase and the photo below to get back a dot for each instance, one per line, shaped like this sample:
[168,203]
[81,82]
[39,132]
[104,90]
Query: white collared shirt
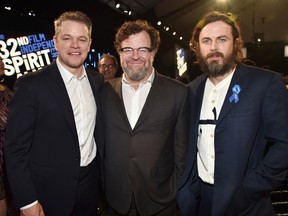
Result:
[84,109]
[134,100]
[214,97]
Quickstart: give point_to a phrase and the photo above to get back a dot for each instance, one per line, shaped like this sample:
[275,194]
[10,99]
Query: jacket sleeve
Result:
[272,169]
[19,136]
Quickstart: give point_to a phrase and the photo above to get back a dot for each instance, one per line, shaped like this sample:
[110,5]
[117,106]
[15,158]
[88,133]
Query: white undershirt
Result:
[214,97]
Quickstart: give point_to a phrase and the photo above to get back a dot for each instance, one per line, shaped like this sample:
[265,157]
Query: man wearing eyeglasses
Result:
[107,66]
[145,124]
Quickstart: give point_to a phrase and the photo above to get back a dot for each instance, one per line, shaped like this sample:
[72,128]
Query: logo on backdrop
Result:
[26,54]
[181,61]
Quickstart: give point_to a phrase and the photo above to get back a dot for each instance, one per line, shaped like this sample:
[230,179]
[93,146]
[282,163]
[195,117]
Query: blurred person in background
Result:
[5,96]
[108,66]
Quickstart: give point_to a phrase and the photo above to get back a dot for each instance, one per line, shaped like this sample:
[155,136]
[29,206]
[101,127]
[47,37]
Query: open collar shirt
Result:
[213,100]
[84,109]
[134,99]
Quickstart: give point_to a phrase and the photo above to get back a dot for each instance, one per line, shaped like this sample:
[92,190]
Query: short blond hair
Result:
[76,16]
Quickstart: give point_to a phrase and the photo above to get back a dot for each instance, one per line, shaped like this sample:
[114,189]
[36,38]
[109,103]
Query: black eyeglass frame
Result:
[141,49]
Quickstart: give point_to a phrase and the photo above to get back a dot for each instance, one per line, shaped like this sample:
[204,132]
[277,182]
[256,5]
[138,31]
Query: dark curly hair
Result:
[134,27]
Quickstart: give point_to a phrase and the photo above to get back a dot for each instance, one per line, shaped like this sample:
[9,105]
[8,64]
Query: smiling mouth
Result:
[138,61]
[135,63]
[74,53]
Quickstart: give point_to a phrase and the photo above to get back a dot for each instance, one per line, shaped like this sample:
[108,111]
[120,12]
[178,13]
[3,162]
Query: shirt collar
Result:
[223,82]
[66,75]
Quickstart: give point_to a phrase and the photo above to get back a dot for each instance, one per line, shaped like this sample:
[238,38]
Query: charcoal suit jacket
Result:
[251,145]
[147,160]
[42,148]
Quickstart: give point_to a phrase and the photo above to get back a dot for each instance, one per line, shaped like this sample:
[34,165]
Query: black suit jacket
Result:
[149,159]
[42,149]
[251,145]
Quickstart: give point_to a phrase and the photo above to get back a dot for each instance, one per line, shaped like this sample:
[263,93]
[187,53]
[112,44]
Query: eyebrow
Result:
[221,36]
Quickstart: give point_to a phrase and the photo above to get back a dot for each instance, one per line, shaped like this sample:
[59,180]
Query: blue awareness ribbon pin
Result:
[236,89]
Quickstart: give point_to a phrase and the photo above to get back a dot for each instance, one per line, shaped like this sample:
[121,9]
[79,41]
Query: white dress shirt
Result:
[134,99]
[84,109]
[213,98]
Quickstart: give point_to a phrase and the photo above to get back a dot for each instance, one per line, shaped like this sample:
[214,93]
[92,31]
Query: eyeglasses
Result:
[142,51]
[108,66]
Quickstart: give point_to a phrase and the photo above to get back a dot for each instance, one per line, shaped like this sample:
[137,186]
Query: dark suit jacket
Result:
[148,159]
[42,149]
[251,145]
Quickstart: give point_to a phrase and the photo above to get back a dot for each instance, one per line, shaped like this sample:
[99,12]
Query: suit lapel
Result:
[199,92]
[93,85]
[119,101]
[237,79]
[58,89]
[153,96]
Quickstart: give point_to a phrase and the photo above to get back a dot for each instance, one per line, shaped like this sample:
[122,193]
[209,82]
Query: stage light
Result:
[123,8]
[159,23]
[259,39]
[286,51]
[129,12]
[117,4]
[31,13]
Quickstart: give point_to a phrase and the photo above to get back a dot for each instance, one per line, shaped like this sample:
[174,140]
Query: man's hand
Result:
[35,210]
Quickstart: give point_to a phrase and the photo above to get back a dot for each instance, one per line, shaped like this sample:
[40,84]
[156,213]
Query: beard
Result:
[214,68]
[136,75]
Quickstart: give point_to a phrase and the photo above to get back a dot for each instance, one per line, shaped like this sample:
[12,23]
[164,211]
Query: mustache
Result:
[136,61]
[216,54]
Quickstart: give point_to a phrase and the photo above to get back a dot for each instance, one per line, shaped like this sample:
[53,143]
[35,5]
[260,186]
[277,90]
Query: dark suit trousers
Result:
[171,210]
[88,193]
[206,197]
